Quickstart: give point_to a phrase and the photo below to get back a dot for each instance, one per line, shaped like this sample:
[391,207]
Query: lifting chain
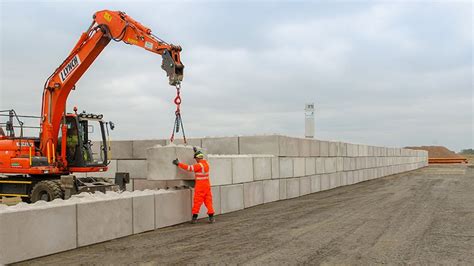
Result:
[178,122]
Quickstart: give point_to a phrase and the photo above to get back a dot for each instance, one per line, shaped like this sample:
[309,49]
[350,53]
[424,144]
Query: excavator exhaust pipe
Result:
[174,70]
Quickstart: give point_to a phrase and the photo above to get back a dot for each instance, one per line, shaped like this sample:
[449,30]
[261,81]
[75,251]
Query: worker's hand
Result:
[176,161]
[195,149]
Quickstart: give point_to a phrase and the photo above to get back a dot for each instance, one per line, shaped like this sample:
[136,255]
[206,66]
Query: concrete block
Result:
[330,165]
[159,166]
[315,149]
[232,198]
[283,195]
[136,168]
[324,148]
[320,161]
[221,145]
[260,145]
[172,207]
[305,185]
[341,149]
[315,183]
[142,184]
[333,180]
[110,173]
[292,188]
[121,149]
[310,166]
[275,167]
[103,219]
[242,169]
[325,183]
[346,164]
[339,164]
[343,177]
[332,149]
[271,190]
[286,167]
[139,147]
[33,230]
[253,194]
[350,177]
[299,167]
[262,167]
[304,147]
[216,202]
[289,146]
[220,170]
[143,204]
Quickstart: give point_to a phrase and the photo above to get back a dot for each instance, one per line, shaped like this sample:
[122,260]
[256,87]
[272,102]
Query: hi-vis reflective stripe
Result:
[190,168]
[202,168]
[202,178]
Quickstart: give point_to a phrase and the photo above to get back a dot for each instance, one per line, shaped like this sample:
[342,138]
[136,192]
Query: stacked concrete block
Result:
[143,206]
[143,184]
[262,167]
[159,166]
[221,145]
[289,146]
[216,202]
[333,180]
[330,165]
[332,149]
[232,198]
[339,164]
[304,147]
[299,166]
[275,167]
[320,162]
[242,169]
[35,230]
[260,145]
[220,170]
[315,183]
[292,188]
[139,147]
[253,194]
[121,149]
[305,185]
[315,149]
[283,194]
[325,182]
[109,174]
[271,190]
[102,217]
[286,167]
[172,207]
[310,166]
[136,168]
[324,148]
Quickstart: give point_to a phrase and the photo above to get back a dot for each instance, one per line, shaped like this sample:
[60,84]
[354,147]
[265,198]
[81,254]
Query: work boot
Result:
[194,219]
[211,219]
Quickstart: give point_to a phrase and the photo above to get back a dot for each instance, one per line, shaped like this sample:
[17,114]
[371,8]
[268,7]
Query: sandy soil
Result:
[422,217]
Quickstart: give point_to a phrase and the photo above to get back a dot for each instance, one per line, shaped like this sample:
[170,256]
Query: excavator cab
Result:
[84,133]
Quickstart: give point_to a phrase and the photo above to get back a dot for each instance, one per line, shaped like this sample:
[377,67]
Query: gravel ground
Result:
[421,217]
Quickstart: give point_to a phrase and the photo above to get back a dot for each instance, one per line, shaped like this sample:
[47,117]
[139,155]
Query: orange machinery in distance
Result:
[37,168]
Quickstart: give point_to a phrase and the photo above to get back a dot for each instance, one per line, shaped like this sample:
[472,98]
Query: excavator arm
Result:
[107,25]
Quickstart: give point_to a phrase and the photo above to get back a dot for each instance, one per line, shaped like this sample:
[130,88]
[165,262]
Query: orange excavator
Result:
[41,168]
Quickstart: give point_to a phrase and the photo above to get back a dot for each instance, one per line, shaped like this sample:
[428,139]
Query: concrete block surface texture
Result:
[262,167]
[221,145]
[293,188]
[110,173]
[143,203]
[216,202]
[315,183]
[121,149]
[260,145]
[253,194]
[136,168]
[220,170]
[242,169]
[142,184]
[286,167]
[193,142]
[232,198]
[283,195]
[299,167]
[172,207]
[159,166]
[30,231]
[271,190]
[289,146]
[324,148]
[103,219]
[305,185]
[275,167]
[320,165]
[325,183]
[310,166]
[139,147]
[304,147]
[315,150]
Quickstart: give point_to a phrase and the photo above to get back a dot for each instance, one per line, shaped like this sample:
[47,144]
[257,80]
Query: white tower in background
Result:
[309,120]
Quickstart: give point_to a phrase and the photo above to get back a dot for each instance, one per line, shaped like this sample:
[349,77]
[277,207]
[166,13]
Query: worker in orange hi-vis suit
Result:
[202,189]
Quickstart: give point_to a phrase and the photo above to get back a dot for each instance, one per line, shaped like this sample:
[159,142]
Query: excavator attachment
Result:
[174,70]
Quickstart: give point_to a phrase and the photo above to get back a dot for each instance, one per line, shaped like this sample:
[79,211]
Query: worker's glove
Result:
[176,161]
[195,149]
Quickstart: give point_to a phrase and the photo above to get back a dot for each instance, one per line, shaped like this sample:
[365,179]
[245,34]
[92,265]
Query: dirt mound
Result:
[437,152]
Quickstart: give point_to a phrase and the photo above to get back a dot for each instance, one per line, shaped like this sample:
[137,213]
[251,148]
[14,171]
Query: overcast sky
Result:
[382,73]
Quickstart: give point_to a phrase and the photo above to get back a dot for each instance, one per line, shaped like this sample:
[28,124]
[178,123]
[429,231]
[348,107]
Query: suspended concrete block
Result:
[143,204]
[242,169]
[293,188]
[159,162]
[271,190]
[262,167]
[315,183]
[232,198]
[299,167]
[221,145]
[102,217]
[216,202]
[305,185]
[172,207]
[253,194]
[139,147]
[33,230]
[220,170]
[286,167]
